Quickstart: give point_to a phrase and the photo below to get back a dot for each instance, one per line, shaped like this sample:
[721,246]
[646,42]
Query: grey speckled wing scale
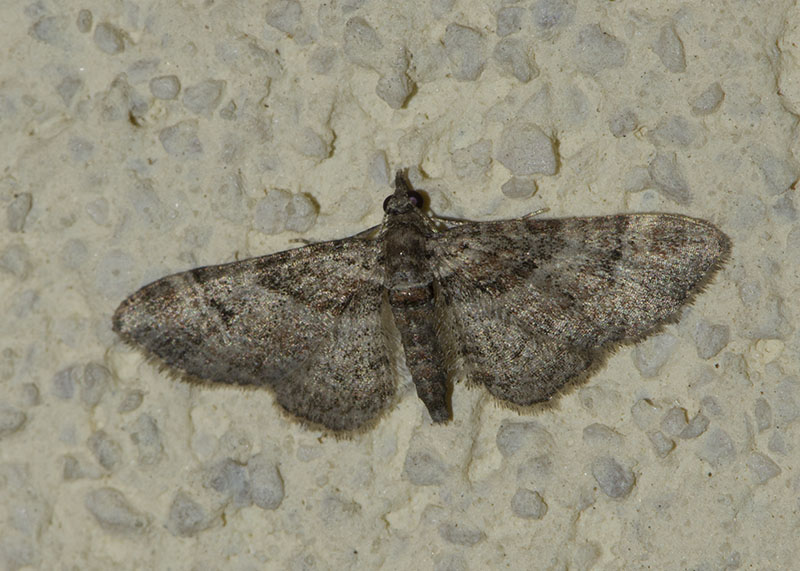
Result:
[531,302]
[305,322]
[520,306]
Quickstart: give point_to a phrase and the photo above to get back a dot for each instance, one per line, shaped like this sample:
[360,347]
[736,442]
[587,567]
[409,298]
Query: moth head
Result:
[404,199]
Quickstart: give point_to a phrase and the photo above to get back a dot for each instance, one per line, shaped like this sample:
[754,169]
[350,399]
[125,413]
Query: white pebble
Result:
[528,504]
[181,141]
[460,533]
[762,467]
[266,483]
[165,87]
[710,339]
[17,211]
[186,517]
[519,187]
[465,50]
[109,38]
[11,420]
[203,97]
[113,512]
[526,150]
[708,101]
[424,468]
[284,15]
[668,178]
[651,354]
[662,445]
[669,49]
[597,50]
[613,479]
[513,58]
[362,45]
[509,20]
[718,448]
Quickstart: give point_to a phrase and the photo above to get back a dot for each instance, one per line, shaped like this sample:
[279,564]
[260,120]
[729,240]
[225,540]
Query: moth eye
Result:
[416,198]
[386,202]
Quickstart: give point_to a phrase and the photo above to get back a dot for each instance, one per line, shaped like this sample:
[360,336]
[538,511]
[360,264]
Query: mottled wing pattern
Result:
[527,303]
[273,321]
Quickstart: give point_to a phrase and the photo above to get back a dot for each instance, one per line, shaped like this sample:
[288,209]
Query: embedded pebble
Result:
[284,15]
[441,7]
[785,405]
[379,168]
[424,468]
[180,140]
[15,260]
[465,50]
[105,449]
[203,97]
[718,448]
[662,444]
[361,42]
[711,406]
[551,14]
[114,273]
[186,517]
[674,421]
[513,436]
[763,414]
[131,401]
[74,254]
[17,211]
[779,172]
[11,419]
[613,479]
[76,469]
[708,101]
[8,363]
[519,187]
[526,150]
[710,339]
[460,534]
[668,178]
[651,354]
[113,512]
[697,426]
[165,87]
[64,381]
[68,87]
[473,161]
[645,414]
[509,20]
[669,50]
[147,438]
[49,30]
[266,484]
[777,443]
[109,39]
[395,89]
[511,55]
[311,144]
[29,395]
[230,478]
[270,212]
[322,60]
[528,504]
[623,123]
[94,383]
[762,467]
[84,21]
[597,50]
[597,434]
[673,130]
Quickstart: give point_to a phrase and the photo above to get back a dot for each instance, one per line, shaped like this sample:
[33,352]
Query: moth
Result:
[522,307]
